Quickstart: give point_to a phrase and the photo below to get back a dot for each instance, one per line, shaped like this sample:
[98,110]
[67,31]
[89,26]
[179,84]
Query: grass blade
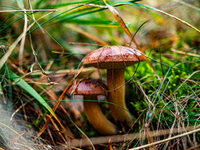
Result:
[20,82]
[170,15]
[122,23]
[8,53]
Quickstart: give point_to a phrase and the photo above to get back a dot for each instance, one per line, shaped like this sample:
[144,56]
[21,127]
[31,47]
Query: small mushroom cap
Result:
[88,87]
[113,57]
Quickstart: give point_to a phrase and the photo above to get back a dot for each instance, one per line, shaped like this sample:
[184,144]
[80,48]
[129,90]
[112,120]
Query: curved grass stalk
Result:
[170,15]
[166,140]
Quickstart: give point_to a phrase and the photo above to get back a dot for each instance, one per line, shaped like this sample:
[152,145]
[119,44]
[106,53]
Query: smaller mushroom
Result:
[90,89]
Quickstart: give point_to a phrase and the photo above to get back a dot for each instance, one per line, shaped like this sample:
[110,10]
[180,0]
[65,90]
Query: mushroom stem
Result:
[96,116]
[115,78]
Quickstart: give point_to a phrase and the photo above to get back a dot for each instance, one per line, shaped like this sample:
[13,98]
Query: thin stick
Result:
[120,138]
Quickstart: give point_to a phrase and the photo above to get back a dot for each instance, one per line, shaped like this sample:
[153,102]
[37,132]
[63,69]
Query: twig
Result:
[127,137]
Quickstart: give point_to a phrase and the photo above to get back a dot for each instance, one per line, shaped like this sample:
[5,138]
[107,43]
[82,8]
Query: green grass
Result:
[60,34]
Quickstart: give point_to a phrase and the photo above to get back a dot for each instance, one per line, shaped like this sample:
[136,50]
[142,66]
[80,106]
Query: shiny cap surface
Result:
[88,87]
[113,57]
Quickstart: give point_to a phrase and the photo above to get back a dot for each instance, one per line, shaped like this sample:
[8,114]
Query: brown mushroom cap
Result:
[89,87]
[113,57]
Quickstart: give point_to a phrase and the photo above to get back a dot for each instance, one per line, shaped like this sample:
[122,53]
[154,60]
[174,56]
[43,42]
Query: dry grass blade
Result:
[56,42]
[35,10]
[172,16]
[61,72]
[12,47]
[56,127]
[121,22]
[127,137]
[8,53]
[187,4]
[21,49]
[149,137]
[125,28]
[184,53]
[165,140]
[154,69]
[58,103]
[12,142]
[89,35]
[13,131]
[186,80]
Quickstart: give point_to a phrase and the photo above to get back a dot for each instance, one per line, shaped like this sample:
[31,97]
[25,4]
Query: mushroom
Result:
[115,59]
[90,89]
